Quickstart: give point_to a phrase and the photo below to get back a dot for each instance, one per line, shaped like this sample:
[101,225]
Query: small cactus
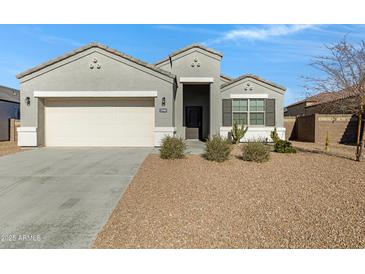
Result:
[238,132]
[274,136]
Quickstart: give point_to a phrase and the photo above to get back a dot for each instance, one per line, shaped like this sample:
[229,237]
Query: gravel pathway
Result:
[304,200]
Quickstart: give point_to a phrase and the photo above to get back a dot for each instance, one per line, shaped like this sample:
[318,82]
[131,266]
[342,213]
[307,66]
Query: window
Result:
[256,118]
[240,118]
[248,111]
[257,111]
[239,105]
[257,105]
[240,111]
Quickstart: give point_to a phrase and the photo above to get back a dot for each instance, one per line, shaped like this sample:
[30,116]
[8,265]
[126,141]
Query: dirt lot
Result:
[7,147]
[305,200]
[339,150]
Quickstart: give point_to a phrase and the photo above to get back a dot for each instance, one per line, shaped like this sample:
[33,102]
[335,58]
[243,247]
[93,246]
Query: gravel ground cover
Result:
[340,150]
[302,200]
[7,147]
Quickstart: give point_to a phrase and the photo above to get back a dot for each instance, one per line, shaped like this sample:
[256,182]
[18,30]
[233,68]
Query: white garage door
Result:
[99,122]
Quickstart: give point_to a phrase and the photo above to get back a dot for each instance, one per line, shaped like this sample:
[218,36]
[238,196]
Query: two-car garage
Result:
[99,122]
[95,96]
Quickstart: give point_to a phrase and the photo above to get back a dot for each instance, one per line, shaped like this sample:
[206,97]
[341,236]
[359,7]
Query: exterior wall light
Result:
[163,103]
[27,100]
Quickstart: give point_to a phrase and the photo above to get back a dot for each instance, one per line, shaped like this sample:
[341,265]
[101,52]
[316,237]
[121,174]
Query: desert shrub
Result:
[256,151]
[283,146]
[274,135]
[172,148]
[217,149]
[238,133]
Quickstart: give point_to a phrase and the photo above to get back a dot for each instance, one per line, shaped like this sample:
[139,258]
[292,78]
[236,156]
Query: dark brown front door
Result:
[193,121]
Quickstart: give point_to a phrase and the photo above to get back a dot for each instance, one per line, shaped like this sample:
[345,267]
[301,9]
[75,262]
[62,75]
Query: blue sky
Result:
[280,53]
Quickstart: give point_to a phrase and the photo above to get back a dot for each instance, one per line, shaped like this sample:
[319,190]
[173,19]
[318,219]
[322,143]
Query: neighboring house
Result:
[327,114]
[97,96]
[9,108]
[323,103]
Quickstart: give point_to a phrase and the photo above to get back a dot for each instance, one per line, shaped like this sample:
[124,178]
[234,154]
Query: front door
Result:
[193,121]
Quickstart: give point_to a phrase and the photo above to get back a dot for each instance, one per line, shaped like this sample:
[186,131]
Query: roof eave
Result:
[175,53]
[242,77]
[86,47]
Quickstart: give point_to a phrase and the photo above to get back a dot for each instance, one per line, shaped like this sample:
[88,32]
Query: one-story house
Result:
[326,115]
[340,102]
[9,109]
[98,96]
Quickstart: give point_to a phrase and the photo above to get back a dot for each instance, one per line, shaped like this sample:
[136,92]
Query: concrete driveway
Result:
[61,197]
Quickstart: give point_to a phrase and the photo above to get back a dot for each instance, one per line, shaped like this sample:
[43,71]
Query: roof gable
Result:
[89,46]
[199,46]
[255,77]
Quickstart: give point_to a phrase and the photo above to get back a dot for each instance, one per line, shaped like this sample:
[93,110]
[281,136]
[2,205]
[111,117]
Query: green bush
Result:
[217,149]
[172,148]
[238,133]
[256,151]
[283,146]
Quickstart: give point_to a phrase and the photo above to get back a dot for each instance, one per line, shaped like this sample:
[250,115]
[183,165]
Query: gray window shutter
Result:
[270,112]
[227,112]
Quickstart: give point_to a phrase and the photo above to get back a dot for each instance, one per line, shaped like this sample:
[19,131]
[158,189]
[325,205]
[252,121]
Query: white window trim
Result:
[249,96]
[249,111]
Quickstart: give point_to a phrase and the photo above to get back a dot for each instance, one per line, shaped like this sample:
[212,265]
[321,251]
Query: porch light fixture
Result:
[27,100]
[163,103]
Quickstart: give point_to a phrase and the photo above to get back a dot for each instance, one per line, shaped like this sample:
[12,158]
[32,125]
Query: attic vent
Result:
[248,87]
[95,63]
[195,63]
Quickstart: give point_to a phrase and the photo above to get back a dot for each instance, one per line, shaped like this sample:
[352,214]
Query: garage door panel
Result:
[99,122]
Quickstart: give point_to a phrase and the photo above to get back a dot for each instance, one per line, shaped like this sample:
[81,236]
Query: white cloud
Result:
[37,32]
[263,33]
[51,39]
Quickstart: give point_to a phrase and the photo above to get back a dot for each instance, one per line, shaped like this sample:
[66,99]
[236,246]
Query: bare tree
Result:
[343,71]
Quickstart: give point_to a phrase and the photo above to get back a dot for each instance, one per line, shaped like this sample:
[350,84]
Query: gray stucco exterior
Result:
[258,88]
[209,66]
[114,71]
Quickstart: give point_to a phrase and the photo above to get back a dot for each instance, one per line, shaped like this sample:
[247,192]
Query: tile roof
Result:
[254,77]
[187,48]
[86,47]
[325,97]
[9,94]
[226,77]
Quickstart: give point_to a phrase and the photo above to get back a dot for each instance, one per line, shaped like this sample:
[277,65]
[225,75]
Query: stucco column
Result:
[215,108]
[180,132]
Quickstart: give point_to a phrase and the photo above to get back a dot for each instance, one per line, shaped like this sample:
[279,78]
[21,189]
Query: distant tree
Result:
[343,70]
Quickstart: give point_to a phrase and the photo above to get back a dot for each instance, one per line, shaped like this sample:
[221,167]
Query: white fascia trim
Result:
[254,133]
[165,129]
[94,94]
[193,80]
[26,129]
[249,96]
[162,132]
[257,128]
[27,136]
